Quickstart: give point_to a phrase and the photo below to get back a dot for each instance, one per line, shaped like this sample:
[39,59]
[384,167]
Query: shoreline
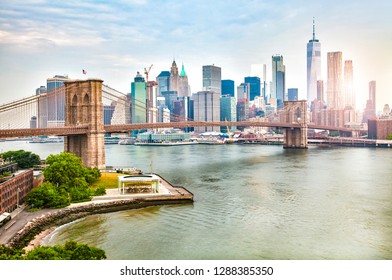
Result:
[35,230]
[39,239]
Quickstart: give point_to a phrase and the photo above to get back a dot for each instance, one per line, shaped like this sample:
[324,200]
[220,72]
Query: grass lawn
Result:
[108,180]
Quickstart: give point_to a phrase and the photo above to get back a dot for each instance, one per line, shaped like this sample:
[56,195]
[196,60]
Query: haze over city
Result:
[113,40]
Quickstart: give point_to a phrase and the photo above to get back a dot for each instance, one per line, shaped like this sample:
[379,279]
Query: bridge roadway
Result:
[83,129]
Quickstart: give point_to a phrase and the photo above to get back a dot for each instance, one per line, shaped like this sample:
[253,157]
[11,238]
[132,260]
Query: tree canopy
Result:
[24,159]
[71,250]
[66,181]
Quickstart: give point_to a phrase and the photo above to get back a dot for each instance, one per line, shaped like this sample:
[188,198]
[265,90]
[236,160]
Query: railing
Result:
[59,131]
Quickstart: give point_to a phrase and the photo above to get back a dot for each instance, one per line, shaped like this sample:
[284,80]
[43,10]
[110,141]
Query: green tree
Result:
[47,195]
[91,174]
[79,190]
[23,158]
[63,169]
[7,253]
[70,251]
[389,137]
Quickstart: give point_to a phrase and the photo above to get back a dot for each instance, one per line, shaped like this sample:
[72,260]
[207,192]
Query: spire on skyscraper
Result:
[183,73]
[314,33]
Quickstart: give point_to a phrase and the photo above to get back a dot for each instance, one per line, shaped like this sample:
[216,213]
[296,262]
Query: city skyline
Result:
[112,41]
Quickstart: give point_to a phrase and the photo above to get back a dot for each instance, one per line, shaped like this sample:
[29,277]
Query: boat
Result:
[178,143]
[111,140]
[210,141]
[127,141]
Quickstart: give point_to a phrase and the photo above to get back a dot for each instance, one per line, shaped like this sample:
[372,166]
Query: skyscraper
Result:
[313,56]
[254,83]
[370,110]
[292,94]
[278,87]
[228,87]
[56,100]
[206,106]
[212,80]
[349,95]
[243,91]
[138,100]
[372,95]
[184,89]
[334,80]
[151,94]
[174,76]
[163,80]
[228,110]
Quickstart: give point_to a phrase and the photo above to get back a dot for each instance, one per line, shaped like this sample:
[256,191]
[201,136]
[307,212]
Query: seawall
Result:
[74,212]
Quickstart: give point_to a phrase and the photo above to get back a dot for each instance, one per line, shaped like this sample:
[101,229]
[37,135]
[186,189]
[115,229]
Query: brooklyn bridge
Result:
[84,128]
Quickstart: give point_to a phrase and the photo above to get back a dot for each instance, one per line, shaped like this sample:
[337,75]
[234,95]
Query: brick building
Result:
[379,128]
[13,191]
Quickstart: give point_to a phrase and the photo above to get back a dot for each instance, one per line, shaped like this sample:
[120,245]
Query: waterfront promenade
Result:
[24,222]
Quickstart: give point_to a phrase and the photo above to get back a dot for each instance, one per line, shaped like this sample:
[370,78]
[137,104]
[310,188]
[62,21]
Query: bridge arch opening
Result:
[85,109]
[74,109]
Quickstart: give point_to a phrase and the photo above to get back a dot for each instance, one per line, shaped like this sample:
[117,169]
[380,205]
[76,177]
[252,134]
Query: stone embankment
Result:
[69,214]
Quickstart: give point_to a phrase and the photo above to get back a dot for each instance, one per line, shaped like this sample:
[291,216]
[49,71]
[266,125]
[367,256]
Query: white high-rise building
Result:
[335,81]
[206,109]
[313,66]
[349,85]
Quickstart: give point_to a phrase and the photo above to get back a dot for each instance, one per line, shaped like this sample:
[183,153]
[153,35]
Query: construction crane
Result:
[147,71]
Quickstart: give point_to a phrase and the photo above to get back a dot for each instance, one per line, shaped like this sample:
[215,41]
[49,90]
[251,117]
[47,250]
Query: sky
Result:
[113,40]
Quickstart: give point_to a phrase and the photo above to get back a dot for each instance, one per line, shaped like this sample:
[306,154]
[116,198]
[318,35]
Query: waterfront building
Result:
[163,81]
[13,190]
[56,101]
[349,96]
[228,111]
[174,77]
[278,87]
[227,87]
[138,100]
[183,84]
[313,56]
[206,108]
[292,94]
[170,135]
[254,87]
[379,128]
[212,80]
[334,80]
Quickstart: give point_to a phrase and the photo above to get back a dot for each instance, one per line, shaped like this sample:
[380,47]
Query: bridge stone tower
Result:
[296,112]
[83,103]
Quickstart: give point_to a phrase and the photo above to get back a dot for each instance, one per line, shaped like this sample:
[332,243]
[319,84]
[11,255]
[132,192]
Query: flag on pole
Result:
[84,72]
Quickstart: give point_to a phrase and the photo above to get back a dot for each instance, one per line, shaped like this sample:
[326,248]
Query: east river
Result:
[251,202]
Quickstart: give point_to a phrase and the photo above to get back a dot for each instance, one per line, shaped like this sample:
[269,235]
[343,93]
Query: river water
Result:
[251,202]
